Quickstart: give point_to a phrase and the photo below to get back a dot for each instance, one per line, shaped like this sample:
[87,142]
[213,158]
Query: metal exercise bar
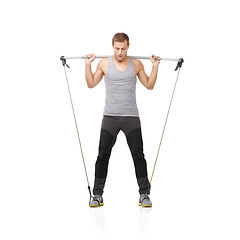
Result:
[137,57]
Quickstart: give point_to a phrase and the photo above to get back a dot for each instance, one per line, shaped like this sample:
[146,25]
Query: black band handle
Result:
[64,61]
[179,65]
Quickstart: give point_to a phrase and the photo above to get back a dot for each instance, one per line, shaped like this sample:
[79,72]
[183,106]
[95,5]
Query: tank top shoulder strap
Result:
[131,65]
[110,65]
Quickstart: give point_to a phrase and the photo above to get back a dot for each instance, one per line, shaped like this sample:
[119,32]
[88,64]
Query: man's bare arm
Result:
[150,81]
[93,79]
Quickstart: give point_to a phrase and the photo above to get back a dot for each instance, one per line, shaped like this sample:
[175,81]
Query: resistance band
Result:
[178,67]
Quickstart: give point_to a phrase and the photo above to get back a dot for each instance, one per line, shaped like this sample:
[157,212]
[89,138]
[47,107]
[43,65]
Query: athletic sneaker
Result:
[145,201]
[97,201]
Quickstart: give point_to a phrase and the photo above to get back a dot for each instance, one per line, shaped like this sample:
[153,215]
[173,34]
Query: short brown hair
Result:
[120,37]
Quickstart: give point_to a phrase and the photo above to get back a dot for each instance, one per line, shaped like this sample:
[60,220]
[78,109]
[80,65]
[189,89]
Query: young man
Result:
[120,112]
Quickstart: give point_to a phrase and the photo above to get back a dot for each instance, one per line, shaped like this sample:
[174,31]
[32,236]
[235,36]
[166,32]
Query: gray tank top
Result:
[120,91]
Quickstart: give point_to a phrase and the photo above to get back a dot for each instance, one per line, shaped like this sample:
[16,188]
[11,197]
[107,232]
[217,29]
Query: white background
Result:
[195,188]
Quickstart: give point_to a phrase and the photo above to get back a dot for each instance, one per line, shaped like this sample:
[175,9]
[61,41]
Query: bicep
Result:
[142,76]
[98,75]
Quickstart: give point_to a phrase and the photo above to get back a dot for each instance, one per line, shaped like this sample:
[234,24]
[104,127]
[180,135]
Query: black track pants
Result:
[111,125]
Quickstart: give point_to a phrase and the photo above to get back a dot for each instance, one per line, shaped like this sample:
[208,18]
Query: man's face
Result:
[120,50]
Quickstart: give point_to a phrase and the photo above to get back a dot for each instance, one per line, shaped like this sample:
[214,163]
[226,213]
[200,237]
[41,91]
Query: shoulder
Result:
[103,65]
[137,65]
[103,61]
[136,61]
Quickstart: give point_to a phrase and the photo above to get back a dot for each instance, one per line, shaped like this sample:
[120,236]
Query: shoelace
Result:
[144,196]
[97,198]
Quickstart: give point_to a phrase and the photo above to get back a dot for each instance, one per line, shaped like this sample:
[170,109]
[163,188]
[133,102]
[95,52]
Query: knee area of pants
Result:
[138,156]
[104,156]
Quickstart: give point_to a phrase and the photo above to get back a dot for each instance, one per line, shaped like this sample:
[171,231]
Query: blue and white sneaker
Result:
[145,201]
[97,201]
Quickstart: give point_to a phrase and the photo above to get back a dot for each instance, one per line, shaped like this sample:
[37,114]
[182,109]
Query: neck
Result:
[120,60]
